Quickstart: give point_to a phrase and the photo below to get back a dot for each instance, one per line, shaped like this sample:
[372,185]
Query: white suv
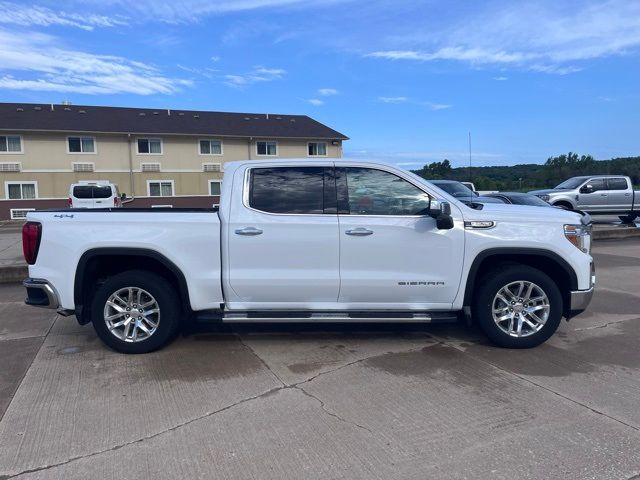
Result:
[98,194]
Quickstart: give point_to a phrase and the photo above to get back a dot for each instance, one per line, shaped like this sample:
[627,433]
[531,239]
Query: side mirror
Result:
[588,188]
[441,211]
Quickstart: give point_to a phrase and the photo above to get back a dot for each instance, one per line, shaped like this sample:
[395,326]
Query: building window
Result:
[20,190]
[149,146]
[81,145]
[269,148]
[214,187]
[160,188]
[10,144]
[210,147]
[317,149]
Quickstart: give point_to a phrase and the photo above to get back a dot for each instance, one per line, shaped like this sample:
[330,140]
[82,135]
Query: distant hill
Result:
[531,176]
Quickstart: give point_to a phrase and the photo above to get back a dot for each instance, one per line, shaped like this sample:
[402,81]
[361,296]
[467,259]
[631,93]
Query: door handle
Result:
[249,231]
[603,194]
[359,232]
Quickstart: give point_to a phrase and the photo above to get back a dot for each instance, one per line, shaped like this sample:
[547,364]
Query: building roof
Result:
[86,118]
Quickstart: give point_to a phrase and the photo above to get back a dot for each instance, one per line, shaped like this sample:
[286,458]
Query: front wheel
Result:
[518,306]
[136,312]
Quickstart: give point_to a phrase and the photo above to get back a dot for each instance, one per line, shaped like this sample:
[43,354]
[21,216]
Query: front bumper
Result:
[580,300]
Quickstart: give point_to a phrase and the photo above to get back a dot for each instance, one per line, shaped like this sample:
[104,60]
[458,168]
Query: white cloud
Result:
[438,106]
[28,16]
[547,37]
[316,102]
[215,58]
[258,74]
[192,11]
[392,99]
[501,79]
[46,66]
[327,92]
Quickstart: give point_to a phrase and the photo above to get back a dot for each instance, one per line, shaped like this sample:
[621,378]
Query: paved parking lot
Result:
[328,402]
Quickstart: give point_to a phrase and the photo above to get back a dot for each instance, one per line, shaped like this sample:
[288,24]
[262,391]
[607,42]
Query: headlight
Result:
[580,236]
[544,197]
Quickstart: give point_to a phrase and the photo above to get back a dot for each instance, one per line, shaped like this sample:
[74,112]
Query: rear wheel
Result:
[136,312]
[518,306]
[627,218]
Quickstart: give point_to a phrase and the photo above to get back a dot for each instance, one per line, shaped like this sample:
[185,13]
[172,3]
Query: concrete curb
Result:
[13,273]
[616,233]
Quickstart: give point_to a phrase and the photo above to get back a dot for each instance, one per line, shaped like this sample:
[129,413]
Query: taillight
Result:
[115,201]
[31,233]
[70,202]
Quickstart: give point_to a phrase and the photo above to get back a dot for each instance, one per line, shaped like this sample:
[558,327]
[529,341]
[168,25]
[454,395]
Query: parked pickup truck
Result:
[312,241]
[597,195]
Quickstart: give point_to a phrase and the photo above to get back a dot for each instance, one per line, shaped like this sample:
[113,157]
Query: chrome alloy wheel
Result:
[520,308]
[132,314]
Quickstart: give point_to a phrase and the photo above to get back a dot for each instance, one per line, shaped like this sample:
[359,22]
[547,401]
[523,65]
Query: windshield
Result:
[456,189]
[529,200]
[91,191]
[574,182]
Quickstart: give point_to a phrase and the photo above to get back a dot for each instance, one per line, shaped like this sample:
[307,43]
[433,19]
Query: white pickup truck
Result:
[312,241]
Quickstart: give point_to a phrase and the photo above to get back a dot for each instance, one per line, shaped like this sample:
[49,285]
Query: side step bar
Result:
[325,317]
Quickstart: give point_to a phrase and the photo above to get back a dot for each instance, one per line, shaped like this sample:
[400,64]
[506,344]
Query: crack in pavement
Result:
[593,327]
[145,438]
[283,386]
[548,389]
[330,413]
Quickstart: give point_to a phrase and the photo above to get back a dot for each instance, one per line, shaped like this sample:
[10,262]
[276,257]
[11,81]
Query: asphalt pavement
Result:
[318,402]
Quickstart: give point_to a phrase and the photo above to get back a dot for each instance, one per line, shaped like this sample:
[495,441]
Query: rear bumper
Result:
[40,293]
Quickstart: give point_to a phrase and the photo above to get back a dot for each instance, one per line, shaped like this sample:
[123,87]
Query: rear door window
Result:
[617,183]
[91,191]
[287,190]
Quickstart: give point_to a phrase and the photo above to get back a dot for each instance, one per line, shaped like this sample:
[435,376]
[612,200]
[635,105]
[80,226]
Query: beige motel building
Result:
[158,157]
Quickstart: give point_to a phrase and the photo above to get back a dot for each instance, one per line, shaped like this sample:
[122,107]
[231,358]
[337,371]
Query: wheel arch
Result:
[544,260]
[99,263]
[564,201]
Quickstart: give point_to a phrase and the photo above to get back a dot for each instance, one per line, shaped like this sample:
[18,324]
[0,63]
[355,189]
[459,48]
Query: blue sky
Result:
[406,80]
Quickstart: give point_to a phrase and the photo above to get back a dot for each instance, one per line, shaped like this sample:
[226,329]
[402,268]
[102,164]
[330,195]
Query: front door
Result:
[597,199]
[392,256]
[283,240]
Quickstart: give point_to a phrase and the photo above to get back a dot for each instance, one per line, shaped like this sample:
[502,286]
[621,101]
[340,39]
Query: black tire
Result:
[627,219]
[168,317]
[493,282]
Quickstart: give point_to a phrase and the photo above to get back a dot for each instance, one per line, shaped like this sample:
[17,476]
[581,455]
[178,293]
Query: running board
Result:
[326,317]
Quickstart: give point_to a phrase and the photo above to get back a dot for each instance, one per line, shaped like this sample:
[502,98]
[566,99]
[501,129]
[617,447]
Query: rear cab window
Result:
[291,190]
[617,183]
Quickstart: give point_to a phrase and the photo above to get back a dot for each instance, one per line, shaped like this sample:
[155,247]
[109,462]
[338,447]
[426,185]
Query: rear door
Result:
[82,196]
[283,239]
[620,194]
[392,256]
